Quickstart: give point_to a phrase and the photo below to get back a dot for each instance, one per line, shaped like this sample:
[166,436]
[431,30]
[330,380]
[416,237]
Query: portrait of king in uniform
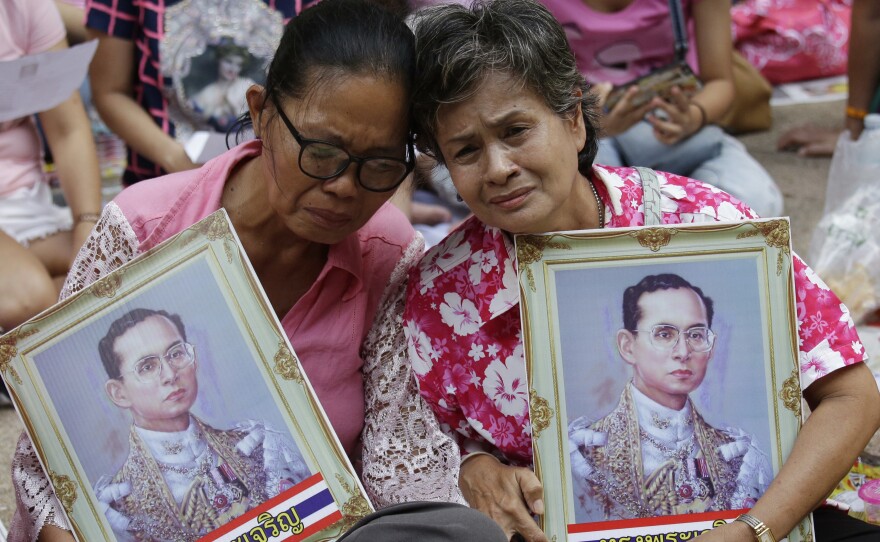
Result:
[182,478]
[654,454]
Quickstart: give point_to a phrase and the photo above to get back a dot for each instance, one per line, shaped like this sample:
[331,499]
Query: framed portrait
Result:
[210,53]
[165,403]
[663,373]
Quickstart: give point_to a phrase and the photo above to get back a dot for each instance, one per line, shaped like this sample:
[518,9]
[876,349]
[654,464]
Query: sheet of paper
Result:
[39,82]
[815,90]
[202,146]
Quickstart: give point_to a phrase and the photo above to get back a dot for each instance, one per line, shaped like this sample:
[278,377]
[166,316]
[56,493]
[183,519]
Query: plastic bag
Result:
[845,249]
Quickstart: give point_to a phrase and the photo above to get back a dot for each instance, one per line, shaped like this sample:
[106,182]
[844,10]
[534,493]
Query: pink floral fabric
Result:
[462,320]
[793,40]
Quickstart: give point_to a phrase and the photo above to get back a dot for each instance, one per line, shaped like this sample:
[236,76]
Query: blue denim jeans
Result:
[710,155]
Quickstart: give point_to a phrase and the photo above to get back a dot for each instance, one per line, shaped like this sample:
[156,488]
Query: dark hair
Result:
[123,324]
[457,47]
[227,47]
[666,281]
[338,37]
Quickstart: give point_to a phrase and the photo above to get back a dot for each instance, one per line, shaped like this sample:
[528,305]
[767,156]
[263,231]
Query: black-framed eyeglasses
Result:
[149,369]
[323,160]
[665,337]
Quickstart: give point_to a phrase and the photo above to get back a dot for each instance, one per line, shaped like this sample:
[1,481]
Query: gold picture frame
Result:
[589,426]
[251,398]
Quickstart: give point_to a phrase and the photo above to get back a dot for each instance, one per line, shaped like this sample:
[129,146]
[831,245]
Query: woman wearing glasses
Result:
[308,201]
[655,429]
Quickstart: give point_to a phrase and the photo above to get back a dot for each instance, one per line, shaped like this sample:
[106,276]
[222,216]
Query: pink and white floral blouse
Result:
[462,320]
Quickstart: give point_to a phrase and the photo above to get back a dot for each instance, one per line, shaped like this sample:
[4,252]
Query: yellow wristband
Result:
[856,113]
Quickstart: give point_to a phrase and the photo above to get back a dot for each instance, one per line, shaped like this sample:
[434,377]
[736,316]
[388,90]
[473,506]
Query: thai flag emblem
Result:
[295,514]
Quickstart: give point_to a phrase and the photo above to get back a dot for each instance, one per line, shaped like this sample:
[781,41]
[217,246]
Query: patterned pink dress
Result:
[462,320]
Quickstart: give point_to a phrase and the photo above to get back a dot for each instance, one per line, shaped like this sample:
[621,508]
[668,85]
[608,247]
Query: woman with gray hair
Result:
[501,103]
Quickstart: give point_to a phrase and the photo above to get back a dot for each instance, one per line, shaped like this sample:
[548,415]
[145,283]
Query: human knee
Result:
[25,296]
[763,196]
[608,155]
[738,173]
[770,205]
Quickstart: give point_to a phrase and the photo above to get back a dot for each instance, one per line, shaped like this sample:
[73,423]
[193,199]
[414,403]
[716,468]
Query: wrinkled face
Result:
[365,115]
[513,160]
[170,397]
[230,66]
[667,377]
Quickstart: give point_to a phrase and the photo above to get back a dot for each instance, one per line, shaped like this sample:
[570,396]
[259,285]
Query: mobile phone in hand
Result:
[657,83]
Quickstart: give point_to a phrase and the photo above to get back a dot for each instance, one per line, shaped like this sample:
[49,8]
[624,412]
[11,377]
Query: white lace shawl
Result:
[111,244]
[406,455]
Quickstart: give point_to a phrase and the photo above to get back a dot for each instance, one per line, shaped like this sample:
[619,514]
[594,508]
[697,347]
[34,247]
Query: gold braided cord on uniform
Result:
[151,506]
[618,480]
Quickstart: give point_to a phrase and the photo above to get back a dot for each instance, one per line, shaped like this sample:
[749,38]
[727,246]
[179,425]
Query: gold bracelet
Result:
[762,532]
[87,217]
[856,113]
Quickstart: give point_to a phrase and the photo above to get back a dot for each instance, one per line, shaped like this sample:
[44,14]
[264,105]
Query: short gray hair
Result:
[457,47]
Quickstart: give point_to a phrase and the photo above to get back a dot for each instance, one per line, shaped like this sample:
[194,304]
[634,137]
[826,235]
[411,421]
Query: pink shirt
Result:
[327,325]
[621,46]
[27,27]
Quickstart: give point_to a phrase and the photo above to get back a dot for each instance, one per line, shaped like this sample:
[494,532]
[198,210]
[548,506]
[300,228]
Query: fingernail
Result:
[538,507]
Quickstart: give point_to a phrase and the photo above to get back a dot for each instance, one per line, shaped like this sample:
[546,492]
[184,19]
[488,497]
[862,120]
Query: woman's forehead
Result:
[495,99]
[360,112]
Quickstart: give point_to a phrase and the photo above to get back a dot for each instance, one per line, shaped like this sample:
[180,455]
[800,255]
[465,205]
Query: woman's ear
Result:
[625,342]
[256,101]
[117,393]
[578,126]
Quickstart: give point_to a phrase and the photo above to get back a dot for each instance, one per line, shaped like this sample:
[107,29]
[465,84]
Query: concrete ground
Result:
[802,181]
